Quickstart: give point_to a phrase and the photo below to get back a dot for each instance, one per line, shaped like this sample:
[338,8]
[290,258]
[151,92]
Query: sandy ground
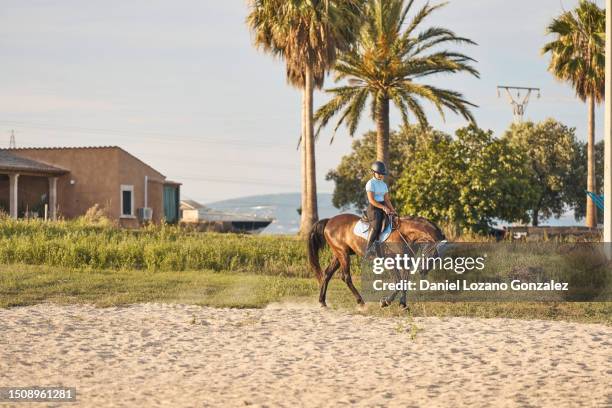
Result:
[181,356]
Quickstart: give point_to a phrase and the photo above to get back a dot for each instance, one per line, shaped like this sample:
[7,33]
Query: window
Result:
[127,201]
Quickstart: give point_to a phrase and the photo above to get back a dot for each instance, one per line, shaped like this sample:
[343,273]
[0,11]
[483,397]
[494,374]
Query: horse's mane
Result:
[425,222]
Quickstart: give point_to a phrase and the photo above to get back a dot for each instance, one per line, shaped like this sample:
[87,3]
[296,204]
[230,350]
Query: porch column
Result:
[13,181]
[53,198]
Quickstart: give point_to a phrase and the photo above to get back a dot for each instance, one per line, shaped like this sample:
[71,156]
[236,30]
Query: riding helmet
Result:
[379,167]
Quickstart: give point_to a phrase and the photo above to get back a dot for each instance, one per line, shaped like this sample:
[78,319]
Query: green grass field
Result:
[22,285]
[75,262]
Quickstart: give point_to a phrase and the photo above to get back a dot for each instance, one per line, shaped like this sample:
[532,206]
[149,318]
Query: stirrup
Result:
[377,250]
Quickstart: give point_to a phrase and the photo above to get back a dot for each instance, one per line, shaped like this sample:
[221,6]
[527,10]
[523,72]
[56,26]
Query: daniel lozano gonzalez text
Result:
[404,262]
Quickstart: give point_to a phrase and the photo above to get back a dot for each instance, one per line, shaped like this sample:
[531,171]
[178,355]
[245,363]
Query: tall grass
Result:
[78,244]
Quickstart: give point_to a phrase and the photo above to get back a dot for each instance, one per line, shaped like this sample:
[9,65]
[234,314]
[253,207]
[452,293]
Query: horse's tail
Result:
[316,241]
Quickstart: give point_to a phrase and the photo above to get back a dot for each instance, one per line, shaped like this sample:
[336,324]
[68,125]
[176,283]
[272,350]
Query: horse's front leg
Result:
[403,301]
[387,300]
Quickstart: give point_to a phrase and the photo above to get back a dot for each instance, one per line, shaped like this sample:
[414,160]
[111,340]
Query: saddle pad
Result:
[361,230]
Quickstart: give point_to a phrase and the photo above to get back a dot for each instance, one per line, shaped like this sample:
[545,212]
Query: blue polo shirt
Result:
[378,187]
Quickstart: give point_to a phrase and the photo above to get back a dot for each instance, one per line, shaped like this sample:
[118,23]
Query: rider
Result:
[379,203]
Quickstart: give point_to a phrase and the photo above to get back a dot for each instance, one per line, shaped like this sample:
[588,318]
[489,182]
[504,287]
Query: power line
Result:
[157,136]
[228,163]
[243,182]
[225,162]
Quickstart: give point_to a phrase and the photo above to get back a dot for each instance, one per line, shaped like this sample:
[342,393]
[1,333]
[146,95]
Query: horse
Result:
[338,233]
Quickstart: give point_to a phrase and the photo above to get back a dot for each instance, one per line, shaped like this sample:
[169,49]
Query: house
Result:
[204,218]
[67,181]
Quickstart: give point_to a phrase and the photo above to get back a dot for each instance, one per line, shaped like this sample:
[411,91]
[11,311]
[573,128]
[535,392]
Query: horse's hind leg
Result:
[345,263]
[402,300]
[329,272]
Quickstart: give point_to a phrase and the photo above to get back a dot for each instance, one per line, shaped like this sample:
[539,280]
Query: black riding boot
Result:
[375,215]
[371,241]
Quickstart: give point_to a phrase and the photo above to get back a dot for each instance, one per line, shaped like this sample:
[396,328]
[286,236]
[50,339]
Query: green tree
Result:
[468,181]
[551,149]
[306,34]
[578,57]
[386,65]
[353,171]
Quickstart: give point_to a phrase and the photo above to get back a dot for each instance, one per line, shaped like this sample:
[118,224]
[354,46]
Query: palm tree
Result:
[578,57]
[306,34]
[386,65]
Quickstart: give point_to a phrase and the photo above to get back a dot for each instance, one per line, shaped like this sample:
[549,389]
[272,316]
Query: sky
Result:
[180,85]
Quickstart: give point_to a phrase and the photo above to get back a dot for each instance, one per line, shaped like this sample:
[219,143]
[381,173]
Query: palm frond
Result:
[577,51]
[343,96]
[421,15]
[393,53]
[306,34]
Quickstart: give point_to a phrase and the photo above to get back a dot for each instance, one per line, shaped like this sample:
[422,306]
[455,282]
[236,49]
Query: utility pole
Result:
[607,237]
[12,143]
[518,105]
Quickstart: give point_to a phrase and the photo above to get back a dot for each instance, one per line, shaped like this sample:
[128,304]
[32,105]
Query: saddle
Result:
[362,227]
[388,219]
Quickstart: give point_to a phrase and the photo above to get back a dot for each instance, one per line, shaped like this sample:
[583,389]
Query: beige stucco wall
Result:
[98,174]
[132,171]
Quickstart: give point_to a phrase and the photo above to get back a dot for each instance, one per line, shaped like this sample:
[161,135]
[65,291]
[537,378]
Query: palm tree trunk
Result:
[591,211]
[303,209]
[382,132]
[304,203]
[309,211]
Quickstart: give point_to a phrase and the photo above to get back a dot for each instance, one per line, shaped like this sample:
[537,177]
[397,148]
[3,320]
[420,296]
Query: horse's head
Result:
[418,229]
[424,238]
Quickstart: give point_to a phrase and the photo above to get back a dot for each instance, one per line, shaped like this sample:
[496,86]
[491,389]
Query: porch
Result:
[28,188]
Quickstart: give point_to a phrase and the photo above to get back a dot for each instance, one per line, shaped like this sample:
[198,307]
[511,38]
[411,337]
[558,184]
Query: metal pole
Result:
[608,129]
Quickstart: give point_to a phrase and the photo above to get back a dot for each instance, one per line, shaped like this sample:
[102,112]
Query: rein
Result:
[395,225]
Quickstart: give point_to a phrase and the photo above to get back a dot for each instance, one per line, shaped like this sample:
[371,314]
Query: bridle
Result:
[395,221]
[395,225]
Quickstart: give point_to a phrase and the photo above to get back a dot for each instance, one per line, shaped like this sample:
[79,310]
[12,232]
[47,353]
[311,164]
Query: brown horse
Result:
[338,233]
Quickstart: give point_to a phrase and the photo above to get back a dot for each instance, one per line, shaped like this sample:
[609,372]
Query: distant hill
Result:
[281,207]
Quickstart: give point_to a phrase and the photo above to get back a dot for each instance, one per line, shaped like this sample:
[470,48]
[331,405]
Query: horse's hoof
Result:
[323,304]
[384,303]
[404,306]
